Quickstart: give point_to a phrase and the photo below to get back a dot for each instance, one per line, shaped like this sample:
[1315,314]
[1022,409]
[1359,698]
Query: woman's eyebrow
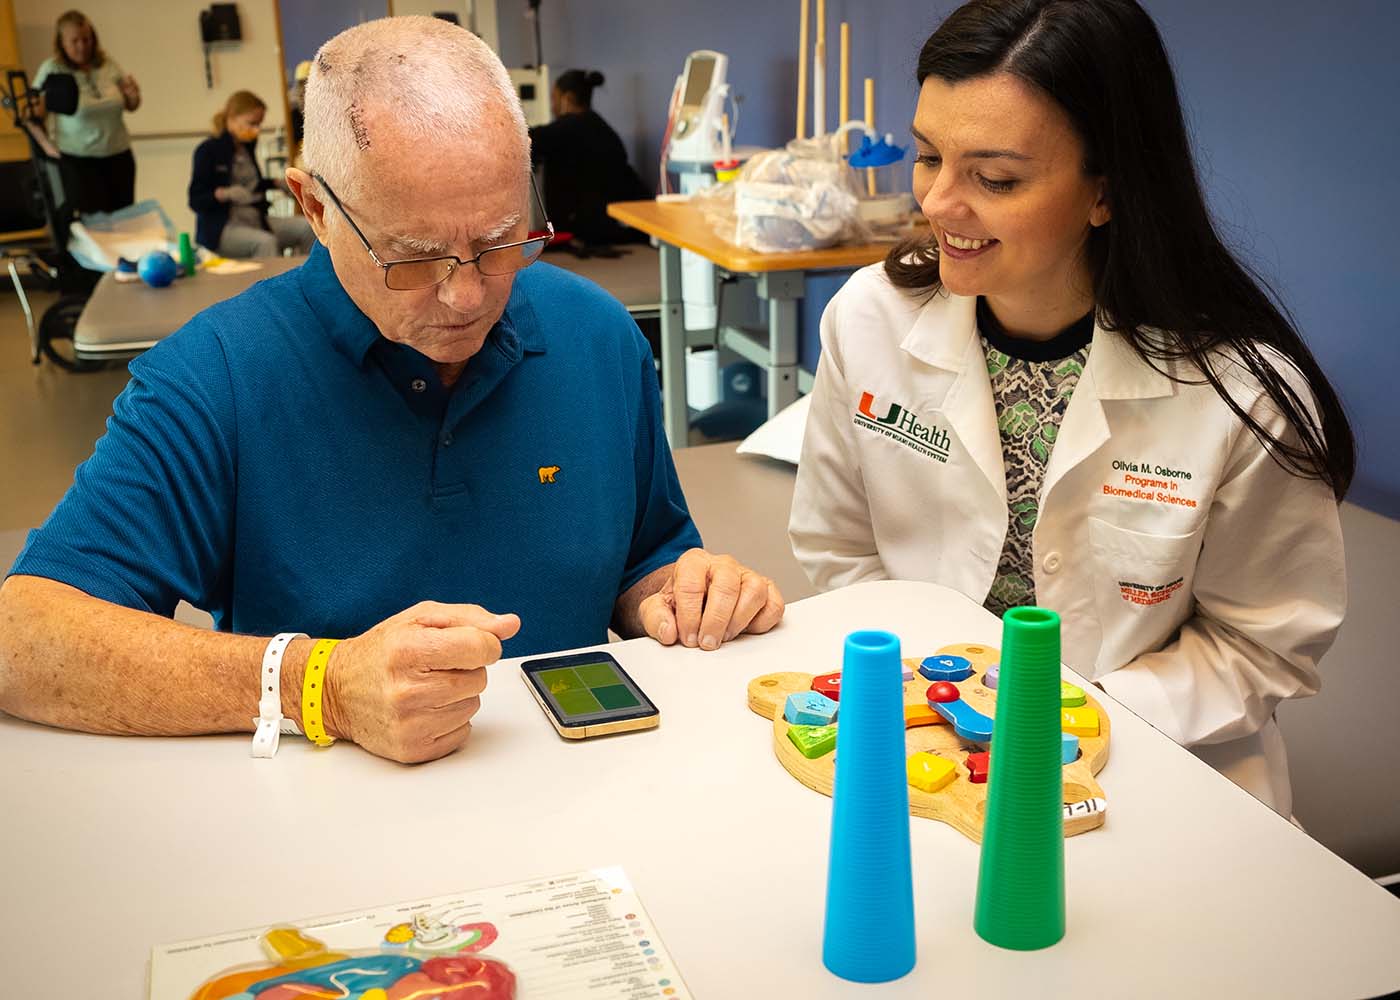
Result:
[978,154]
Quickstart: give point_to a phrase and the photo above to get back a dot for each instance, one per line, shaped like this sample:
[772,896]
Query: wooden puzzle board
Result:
[961,804]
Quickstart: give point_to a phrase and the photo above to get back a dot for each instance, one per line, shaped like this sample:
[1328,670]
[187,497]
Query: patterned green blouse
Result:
[1032,382]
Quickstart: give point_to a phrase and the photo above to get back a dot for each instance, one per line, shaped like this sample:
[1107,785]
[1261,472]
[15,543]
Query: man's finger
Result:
[449,741]
[771,614]
[433,614]
[450,687]
[753,595]
[462,647]
[720,600]
[690,582]
[659,618]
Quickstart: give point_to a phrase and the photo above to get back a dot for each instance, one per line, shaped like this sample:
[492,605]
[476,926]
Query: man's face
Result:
[412,201]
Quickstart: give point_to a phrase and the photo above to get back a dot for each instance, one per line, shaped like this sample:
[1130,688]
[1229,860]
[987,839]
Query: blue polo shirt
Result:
[281,465]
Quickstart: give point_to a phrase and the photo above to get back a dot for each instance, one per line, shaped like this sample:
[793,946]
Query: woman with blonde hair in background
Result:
[227,189]
[99,172]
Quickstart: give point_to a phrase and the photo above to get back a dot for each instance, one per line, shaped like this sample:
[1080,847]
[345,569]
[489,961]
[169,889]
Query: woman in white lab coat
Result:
[1072,394]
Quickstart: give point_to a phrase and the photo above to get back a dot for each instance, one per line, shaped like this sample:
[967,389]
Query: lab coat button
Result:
[1052,563]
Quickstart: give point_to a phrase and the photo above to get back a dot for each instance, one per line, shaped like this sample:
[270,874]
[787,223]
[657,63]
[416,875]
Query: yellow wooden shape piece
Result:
[1079,721]
[929,772]
[922,715]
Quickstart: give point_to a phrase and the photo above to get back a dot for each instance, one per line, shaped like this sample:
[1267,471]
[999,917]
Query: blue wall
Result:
[1293,108]
[307,24]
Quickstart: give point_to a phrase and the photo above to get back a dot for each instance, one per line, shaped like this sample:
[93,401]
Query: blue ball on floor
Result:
[157,268]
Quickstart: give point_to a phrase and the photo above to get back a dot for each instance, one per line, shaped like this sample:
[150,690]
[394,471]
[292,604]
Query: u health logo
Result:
[900,424]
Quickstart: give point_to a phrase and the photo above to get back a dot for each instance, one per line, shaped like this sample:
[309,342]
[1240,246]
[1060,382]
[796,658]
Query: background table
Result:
[113,845]
[780,282]
[122,319]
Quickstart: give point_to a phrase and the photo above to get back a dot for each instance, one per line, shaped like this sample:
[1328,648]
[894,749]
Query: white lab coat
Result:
[1197,581]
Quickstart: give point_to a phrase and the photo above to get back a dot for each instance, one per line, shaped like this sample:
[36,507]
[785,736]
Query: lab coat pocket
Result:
[1142,588]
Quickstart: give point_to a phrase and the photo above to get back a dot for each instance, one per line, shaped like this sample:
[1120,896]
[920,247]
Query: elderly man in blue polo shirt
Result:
[406,431]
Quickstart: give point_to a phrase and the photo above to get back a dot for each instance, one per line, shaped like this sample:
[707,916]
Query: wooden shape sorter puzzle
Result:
[961,802]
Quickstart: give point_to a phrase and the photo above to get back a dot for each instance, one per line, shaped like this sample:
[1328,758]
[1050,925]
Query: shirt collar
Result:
[353,333]
[945,331]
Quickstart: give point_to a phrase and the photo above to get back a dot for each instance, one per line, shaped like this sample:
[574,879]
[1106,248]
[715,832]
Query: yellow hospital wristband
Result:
[313,690]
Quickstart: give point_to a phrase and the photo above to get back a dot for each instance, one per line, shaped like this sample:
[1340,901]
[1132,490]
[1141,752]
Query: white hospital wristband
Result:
[270,722]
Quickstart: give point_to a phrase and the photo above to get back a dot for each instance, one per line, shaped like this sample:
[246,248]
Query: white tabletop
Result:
[113,845]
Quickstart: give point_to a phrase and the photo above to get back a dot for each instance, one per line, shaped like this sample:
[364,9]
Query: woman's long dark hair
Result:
[1159,264]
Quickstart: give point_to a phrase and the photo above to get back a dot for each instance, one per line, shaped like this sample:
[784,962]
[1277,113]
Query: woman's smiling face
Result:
[1001,177]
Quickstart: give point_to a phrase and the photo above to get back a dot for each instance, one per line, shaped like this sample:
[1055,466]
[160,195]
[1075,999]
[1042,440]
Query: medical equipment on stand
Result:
[698,134]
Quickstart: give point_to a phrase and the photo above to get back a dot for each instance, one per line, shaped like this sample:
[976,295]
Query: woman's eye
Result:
[927,160]
[996,187]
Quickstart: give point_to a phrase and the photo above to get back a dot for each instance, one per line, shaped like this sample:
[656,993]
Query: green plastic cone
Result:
[1021,880]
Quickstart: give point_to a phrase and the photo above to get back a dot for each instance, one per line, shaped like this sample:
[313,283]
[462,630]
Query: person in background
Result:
[99,172]
[296,102]
[227,189]
[585,164]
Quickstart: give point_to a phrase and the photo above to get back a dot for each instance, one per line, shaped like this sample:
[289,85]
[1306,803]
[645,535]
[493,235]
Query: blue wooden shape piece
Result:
[967,722]
[809,708]
[946,668]
[1069,748]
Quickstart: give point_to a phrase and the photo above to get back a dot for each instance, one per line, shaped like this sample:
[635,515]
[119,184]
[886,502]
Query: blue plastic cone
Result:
[869,933]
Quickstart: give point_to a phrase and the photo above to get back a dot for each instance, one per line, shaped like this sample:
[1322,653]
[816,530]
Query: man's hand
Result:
[708,600]
[407,689]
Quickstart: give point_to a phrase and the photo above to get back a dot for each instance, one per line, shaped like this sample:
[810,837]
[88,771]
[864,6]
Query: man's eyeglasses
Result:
[424,272]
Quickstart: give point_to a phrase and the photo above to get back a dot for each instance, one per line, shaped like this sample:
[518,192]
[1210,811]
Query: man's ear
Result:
[1101,211]
[307,194]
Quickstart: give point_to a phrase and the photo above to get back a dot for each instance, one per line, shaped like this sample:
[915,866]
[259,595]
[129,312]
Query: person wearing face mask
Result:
[99,172]
[227,189]
[1072,395]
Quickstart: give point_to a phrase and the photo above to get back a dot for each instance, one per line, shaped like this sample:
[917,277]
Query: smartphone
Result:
[588,694]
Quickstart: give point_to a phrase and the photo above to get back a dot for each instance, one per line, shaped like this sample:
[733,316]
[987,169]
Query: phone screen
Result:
[588,689]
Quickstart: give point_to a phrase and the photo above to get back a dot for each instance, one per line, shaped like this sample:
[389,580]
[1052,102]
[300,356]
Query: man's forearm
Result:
[627,617]
[69,659]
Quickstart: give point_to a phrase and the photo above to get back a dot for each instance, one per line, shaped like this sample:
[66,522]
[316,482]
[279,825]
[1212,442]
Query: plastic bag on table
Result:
[801,197]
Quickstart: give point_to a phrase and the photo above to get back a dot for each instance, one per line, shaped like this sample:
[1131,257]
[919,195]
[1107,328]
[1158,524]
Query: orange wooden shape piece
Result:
[922,715]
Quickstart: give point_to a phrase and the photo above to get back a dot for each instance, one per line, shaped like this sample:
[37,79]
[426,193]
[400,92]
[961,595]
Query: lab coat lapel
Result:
[945,336]
[1114,371]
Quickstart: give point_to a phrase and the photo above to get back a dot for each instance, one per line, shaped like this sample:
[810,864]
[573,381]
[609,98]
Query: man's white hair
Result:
[437,80]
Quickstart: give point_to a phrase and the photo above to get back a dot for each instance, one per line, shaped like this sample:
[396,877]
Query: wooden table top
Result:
[683,225]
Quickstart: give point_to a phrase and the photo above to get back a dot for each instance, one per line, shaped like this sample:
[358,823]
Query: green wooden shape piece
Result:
[813,741]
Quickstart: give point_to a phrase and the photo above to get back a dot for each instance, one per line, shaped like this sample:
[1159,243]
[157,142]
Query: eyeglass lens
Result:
[414,274]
